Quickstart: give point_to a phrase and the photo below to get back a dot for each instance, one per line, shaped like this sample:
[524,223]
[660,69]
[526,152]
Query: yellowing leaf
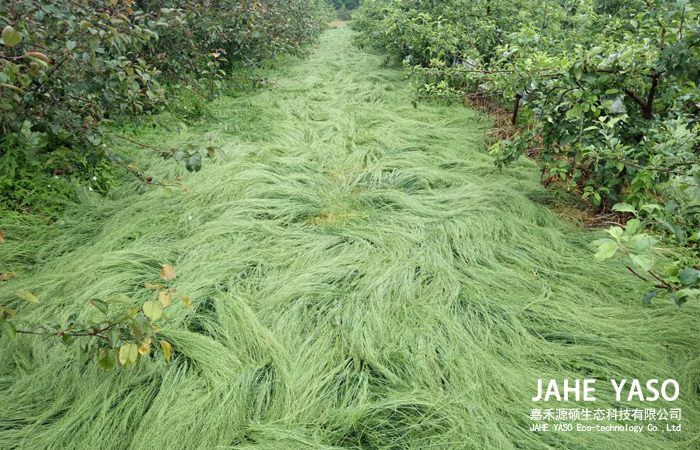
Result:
[154,286]
[185,299]
[168,272]
[145,346]
[133,167]
[26,296]
[128,354]
[165,298]
[153,310]
[6,276]
[167,349]
[9,311]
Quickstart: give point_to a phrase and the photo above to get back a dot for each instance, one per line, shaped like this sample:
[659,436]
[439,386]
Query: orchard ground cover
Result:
[362,276]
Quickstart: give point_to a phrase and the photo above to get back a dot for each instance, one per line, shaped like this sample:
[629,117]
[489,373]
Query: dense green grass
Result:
[362,277]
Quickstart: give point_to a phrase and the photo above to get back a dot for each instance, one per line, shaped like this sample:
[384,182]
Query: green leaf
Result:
[136,328]
[646,300]
[606,250]
[624,207]
[113,337]
[70,45]
[680,297]
[167,192]
[82,354]
[615,232]
[153,310]
[643,242]
[26,296]
[119,298]
[595,51]
[632,226]
[688,276]
[106,359]
[100,305]
[8,329]
[128,354]
[642,261]
[11,37]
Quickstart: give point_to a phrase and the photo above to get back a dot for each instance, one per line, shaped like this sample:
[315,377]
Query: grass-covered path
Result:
[363,277]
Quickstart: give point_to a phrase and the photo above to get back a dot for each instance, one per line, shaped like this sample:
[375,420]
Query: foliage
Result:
[121,338]
[364,279]
[73,71]
[344,4]
[344,14]
[606,93]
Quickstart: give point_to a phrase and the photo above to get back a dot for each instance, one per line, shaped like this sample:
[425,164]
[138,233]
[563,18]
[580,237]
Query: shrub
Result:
[344,14]
[607,92]
[74,71]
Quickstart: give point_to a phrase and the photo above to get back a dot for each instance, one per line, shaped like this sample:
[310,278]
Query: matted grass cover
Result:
[363,277]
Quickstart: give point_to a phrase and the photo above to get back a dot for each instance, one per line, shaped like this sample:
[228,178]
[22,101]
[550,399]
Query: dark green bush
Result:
[344,14]
[73,71]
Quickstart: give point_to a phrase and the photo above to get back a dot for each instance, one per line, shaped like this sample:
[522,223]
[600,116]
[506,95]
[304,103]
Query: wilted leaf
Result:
[185,299]
[7,276]
[167,349]
[26,296]
[165,298]
[128,354]
[145,346]
[153,310]
[9,311]
[2,237]
[167,272]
